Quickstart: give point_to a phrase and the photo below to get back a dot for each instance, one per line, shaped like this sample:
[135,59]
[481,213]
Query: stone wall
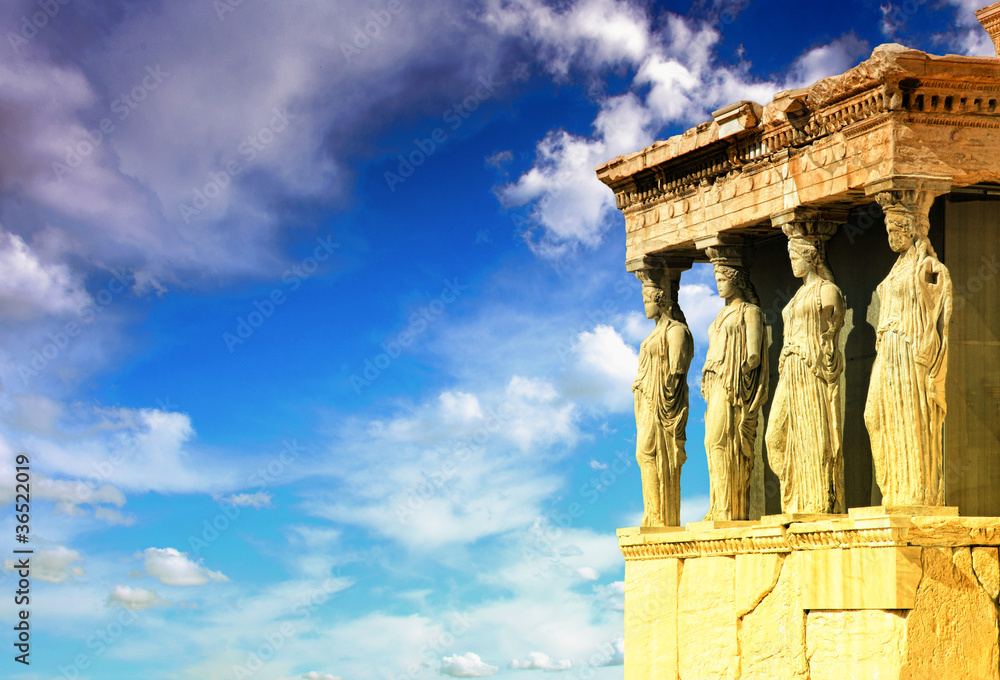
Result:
[890,598]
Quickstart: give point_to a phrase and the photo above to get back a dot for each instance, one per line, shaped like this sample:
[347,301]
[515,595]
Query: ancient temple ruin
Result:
[865,543]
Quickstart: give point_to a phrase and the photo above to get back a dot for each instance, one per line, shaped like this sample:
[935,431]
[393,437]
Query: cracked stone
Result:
[772,637]
[954,616]
[987,567]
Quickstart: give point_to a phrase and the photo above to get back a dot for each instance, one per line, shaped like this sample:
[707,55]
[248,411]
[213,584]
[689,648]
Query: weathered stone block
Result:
[855,644]
[706,611]
[860,578]
[772,625]
[952,631]
[651,619]
[984,561]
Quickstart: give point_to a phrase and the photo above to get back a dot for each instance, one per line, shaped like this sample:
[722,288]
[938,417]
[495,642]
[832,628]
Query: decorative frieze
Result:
[848,532]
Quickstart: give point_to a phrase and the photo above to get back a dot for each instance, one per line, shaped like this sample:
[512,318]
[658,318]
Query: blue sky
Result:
[320,341]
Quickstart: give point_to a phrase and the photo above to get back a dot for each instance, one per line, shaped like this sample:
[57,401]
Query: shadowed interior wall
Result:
[972,426]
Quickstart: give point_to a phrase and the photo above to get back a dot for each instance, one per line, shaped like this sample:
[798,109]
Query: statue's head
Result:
[806,254]
[902,228]
[732,280]
[655,301]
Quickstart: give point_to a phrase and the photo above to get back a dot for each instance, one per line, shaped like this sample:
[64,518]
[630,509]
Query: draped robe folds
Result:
[734,398]
[805,427]
[661,412]
[905,409]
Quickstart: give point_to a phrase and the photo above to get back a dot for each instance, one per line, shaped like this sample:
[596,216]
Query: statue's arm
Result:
[834,307]
[935,283]
[754,321]
[677,350]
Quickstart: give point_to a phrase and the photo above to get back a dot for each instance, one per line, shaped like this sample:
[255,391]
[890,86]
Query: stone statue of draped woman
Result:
[661,408]
[734,385]
[906,407]
[805,426]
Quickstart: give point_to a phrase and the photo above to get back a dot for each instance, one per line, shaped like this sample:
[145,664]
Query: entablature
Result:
[900,113]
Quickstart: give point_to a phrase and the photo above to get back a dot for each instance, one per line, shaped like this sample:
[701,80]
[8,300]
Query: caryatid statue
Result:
[805,427]
[661,398]
[734,385]
[906,407]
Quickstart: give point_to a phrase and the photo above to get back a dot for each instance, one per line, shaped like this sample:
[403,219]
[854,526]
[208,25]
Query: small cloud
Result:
[460,407]
[52,565]
[313,675]
[500,159]
[466,666]
[134,598]
[611,596]
[257,500]
[588,573]
[617,654]
[114,517]
[539,661]
[173,568]
[597,465]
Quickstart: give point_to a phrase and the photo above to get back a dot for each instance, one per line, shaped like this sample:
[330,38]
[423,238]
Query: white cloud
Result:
[604,369]
[682,80]
[467,665]
[136,450]
[52,565]
[135,598]
[31,288]
[539,661]
[256,500]
[174,568]
[831,59]
[313,675]
[313,537]
[636,327]
[597,465]
[591,33]
[616,655]
[611,596]
[455,476]
[693,508]
[961,33]
[568,201]
[460,407]
[700,304]
[969,36]
[536,414]
[114,517]
[119,203]
[588,573]
[70,495]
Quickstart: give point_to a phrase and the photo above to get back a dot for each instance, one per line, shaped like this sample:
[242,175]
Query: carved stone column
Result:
[661,392]
[805,428]
[734,385]
[906,406]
